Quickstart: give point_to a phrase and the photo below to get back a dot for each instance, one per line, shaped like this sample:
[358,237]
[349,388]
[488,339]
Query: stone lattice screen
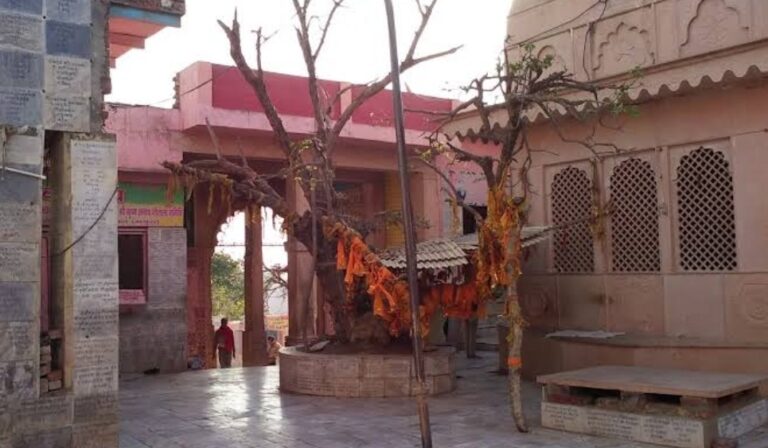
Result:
[706,223]
[634,218]
[572,202]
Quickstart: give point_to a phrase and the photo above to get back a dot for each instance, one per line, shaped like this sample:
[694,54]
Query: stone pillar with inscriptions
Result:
[20,227]
[53,73]
[86,281]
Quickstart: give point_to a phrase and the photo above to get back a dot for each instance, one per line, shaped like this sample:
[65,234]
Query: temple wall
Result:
[688,264]
[154,334]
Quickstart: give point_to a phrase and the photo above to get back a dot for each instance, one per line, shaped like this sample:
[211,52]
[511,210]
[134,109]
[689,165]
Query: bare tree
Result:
[310,159]
[525,87]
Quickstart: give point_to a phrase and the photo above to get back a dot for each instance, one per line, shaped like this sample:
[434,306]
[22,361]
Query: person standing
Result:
[225,344]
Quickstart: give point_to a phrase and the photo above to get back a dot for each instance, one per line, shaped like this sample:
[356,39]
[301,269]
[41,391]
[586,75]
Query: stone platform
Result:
[667,407]
[364,375]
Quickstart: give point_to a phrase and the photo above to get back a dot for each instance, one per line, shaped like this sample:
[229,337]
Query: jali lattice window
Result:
[571,208]
[707,229]
[634,218]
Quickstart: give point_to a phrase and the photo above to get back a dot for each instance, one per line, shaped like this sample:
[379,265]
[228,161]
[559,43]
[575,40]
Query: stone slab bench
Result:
[675,408]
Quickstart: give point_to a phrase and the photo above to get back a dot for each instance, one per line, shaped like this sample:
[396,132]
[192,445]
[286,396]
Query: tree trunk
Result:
[332,287]
[514,361]
[515,338]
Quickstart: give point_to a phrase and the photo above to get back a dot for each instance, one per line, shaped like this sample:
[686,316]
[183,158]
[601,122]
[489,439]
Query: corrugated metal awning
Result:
[444,253]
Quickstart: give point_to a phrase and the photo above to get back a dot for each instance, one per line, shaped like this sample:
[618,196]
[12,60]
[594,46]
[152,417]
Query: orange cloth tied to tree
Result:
[493,259]
[390,295]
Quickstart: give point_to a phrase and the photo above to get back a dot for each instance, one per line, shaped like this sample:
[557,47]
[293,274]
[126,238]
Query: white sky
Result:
[356,50]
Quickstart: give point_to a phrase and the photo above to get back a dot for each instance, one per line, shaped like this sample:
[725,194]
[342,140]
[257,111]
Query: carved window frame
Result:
[683,220]
[621,227]
[131,297]
[584,195]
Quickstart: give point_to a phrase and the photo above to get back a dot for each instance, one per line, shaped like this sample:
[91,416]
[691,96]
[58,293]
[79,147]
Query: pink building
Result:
[682,268]
[175,241]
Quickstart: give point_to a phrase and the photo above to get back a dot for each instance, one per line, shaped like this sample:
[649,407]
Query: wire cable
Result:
[90,228]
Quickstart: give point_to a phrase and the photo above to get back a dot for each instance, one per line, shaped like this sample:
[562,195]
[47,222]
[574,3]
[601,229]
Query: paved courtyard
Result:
[243,408]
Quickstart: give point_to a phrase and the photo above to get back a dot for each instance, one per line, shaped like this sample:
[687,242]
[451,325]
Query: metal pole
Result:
[410,233]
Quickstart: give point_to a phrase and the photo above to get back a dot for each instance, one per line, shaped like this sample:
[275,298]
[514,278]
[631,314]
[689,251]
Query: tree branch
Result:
[408,62]
[256,80]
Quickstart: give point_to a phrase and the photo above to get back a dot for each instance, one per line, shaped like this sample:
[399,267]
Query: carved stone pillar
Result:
[300,276]
[254,337]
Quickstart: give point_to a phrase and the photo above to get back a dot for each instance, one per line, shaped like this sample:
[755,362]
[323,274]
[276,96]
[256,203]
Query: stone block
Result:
[581,302]
[96,366]
[70,11]
[18,340]
[538,300]
[436,365]
[19,69]
[743,421]
[662,430]
[20,189]
[397,387]
[636,303]
[96,408]
[20,107]
[746,313]
[19,262]
[49,411]
[25,151]
[18,380]
[19,221]
[346,387]
[43,386]
[54,385]
[67,76]
[60,438]
[26,6]
[345,367]
[372,388]
[397,367]
[66,39]
[695,306]
[21,32]
[442,384]
[67,113]
[55,375]
[95,436]
[372,367]
[18,302]
[95,322]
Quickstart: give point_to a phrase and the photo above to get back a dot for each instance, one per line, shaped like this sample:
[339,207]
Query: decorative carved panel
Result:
[623,49]
[558,63]
[713,24]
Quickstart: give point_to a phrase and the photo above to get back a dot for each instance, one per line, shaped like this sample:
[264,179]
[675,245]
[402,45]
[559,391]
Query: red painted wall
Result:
[289,93]
[291,97]
[378,110]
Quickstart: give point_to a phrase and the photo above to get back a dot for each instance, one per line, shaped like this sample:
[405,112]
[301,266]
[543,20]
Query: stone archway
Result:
[207,217]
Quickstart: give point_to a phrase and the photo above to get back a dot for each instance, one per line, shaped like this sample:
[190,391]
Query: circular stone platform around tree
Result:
[364,375]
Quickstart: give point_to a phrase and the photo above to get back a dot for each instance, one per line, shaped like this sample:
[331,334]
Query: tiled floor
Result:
[243,408]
